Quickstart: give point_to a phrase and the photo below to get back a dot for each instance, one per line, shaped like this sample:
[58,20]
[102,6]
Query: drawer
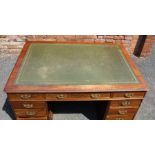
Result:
[128,94]
[77,96]
[120,117]
[122,111]
[28,104]
[26,97]
[32,118]
[30,112]
[125,103]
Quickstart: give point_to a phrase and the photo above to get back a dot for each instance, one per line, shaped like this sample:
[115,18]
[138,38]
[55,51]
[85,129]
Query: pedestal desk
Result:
[71,71]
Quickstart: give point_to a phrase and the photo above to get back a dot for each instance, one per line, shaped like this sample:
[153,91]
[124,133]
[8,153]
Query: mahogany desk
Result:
[63,71]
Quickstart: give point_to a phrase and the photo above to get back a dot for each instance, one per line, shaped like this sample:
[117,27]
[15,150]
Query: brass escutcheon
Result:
[60,96]
[128,95]
[30,113]
[26,105]
[94,96]
[119,119]
[126,103]
[25,96]
[122,112]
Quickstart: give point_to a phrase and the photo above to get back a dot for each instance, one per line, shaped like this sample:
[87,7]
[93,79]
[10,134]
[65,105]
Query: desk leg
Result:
[50,111]
[50,115]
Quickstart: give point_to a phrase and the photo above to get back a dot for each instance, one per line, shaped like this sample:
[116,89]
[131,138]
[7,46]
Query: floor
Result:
[146,111]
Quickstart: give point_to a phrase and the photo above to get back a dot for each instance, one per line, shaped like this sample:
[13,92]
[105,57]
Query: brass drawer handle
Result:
[128,95]
[60,96]
[28,105]
[119,118]
[25,96]
[30,113]
[126,103]
[95,96]
[122,112]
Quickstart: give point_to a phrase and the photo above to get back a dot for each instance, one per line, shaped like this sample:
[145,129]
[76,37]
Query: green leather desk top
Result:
[74,64]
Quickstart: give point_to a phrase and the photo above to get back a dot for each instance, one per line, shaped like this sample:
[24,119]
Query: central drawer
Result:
[77,96]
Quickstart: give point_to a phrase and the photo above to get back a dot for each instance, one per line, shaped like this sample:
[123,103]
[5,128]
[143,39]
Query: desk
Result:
[63,71]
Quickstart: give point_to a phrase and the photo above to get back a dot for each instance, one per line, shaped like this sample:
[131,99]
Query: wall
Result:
[14,43]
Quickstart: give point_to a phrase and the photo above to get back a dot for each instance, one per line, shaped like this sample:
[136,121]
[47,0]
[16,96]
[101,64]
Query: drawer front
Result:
[125,103]
[77,96]
[122,111]
[120,117]
[32,118]
[26,97]
[30,112]
[28,104]
[128,94]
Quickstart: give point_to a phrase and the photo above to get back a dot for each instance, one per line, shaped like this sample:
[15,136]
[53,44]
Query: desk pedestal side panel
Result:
[31,110]
[122,105]
[126,107]
[122,109]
